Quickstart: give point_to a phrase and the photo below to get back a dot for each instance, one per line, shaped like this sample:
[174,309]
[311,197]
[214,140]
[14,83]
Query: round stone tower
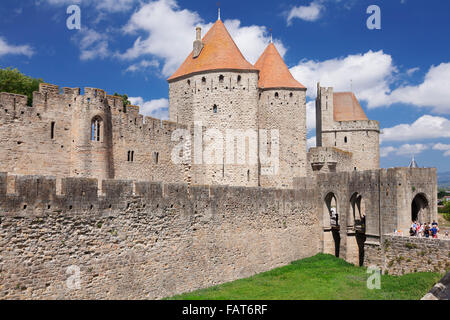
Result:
[216,88]
[282,113]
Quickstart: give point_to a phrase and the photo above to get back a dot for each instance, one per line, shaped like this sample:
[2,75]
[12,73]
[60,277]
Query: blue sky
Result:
[401,73]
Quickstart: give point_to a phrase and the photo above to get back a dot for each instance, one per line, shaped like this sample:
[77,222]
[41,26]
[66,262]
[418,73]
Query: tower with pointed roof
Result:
[342,123]
[282,106]
[217,88]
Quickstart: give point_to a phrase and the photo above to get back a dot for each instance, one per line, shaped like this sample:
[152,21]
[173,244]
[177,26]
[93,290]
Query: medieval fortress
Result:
[143,208]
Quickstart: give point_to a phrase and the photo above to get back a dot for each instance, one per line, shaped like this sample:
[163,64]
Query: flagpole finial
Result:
[218,15]
[271,35]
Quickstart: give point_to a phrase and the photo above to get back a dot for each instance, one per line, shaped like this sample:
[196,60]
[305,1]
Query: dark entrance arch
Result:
[420,208]
[331,224]
[357,225]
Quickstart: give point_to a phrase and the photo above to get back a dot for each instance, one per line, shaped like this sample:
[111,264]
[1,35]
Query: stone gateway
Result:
[89,184]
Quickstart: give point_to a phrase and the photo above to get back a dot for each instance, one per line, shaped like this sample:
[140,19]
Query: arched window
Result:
[203,80]
[96,129]
[221,77]
[276,95]
[215,108]
[345,139]
[239,78]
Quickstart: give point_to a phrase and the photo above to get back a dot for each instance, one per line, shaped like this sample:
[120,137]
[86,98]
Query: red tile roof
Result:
[219,53]
[347,107]
[274,73]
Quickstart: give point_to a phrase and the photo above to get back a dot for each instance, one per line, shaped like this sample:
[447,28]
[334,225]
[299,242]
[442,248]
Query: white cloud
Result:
[312,12]
[170,32]
[311,142]
[253,40]
[311,115]
[92,44]
[432,92]
[369,75]
[405,149]
[411,71]
[6,48]
[385,151]
[143,65]
[157,108]
[443,147]
[426,127]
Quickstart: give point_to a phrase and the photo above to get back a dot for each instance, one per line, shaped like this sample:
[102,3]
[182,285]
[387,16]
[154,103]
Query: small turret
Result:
[413,163]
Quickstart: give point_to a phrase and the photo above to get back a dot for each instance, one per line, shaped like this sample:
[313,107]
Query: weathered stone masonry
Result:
[144,240]
[400,255]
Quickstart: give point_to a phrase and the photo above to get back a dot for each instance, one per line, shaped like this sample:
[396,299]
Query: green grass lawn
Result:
[322,277]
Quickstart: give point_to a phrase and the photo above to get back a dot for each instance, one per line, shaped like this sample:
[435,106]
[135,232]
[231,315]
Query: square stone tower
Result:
[342,123]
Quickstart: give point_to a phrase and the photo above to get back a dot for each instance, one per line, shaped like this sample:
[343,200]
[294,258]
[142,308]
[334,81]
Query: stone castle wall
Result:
[326,160]
[386,198]
[25,134]
[140,240]
[399,255]
[53,137]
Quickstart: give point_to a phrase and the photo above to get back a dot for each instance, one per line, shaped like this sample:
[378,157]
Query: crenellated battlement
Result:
[22,195]
[355,125]
[12,100]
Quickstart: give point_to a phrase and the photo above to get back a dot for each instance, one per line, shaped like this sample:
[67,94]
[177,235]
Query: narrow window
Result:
[345,139]
[221,77]
[203,80]
[156,157]
[52,130]
[189,82]
[215,108]
[276,95]
[132,156]
[291,95]
[129,156]
[239,79]
[96,129]
[248,175]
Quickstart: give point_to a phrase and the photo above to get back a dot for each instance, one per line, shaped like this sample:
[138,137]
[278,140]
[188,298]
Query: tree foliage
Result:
[13,81]
[445,209]
[126,102]
[441,193]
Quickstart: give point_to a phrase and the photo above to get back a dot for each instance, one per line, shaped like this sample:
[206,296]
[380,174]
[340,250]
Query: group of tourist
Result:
[427,230]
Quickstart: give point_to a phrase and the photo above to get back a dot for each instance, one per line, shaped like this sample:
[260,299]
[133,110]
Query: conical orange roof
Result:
[346,107]
[273,72]
[219,53]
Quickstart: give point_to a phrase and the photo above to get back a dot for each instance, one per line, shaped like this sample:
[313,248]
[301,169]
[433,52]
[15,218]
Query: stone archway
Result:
[356,230]
[332,238]
[420,209]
